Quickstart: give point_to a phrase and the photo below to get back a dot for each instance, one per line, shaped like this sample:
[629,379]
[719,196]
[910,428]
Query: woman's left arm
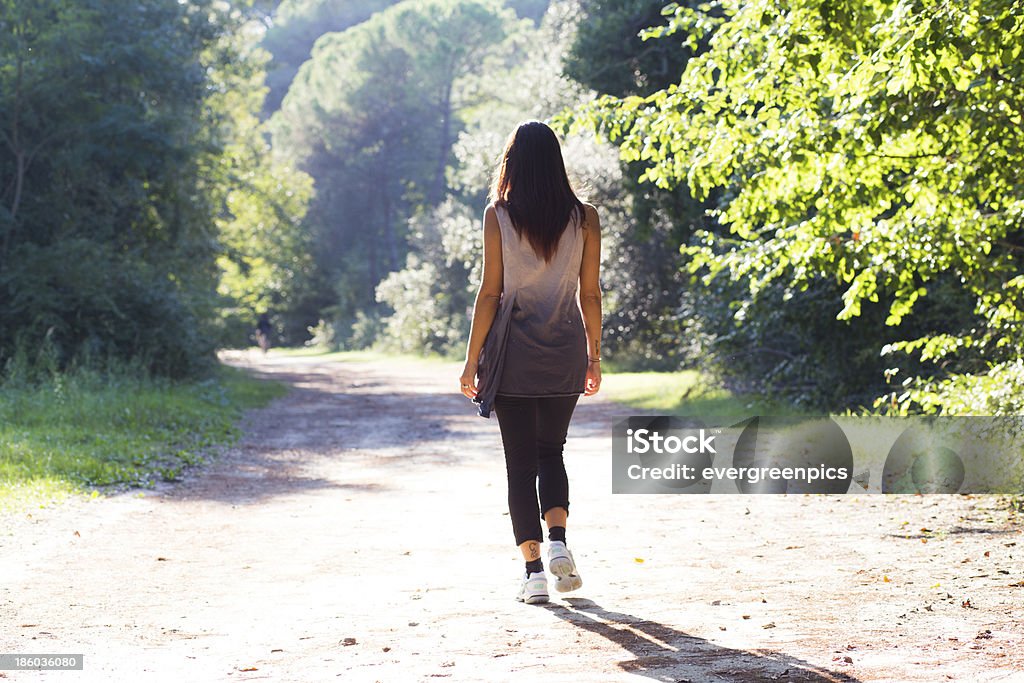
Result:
[487,298]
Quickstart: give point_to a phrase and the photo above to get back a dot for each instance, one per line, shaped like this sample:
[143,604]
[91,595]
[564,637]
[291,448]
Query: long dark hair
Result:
[531,183]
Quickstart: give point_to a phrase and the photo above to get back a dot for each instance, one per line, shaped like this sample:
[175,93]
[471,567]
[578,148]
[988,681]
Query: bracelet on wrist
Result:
[593,360]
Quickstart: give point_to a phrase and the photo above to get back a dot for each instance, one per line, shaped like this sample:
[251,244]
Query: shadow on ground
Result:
[339,413]
[663,653]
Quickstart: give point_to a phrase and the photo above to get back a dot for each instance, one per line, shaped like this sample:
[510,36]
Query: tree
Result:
[876,144]
[106,248]
[121,163]
[295,27]
[372,117]
[607,54]
[430,298]
[265,259]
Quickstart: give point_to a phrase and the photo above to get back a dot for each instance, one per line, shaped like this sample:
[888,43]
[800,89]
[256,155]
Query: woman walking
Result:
[535,343]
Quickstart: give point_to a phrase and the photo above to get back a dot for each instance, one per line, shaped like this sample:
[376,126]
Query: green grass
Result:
[83,432]
[683,393]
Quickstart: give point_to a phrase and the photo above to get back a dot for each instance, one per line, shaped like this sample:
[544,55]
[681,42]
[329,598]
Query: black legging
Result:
[533,432]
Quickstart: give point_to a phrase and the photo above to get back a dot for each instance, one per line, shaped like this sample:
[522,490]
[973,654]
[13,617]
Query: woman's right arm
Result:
[590,296]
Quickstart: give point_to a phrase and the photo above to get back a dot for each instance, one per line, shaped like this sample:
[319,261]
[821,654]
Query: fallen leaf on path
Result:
[77,534]
[1019,584]
[277,649]
[414,623]
[984,635]
[966,604]
[638,560]
[770,624]
[161,559]
[348,641]
[886,579]
[746,616]
[248,668]
[386,649]
[987,553]
[792,547]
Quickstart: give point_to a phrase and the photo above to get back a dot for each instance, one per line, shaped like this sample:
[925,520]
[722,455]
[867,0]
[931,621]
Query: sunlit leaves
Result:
[877,143]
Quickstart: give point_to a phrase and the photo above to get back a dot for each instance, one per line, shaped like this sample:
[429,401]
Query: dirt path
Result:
[357,533]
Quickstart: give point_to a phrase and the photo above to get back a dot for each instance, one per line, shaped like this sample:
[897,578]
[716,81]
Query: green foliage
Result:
[873,144]
[609,55]
[372,117]
[295,28]
[86,300]
[432,296]
[789,345]
[103,242]
[127,168]
[265,261]
[113,425]
[101,217]
[529,9]
[644,326]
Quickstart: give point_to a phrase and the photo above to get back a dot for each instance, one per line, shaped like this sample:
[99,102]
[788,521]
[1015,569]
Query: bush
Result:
[80,300]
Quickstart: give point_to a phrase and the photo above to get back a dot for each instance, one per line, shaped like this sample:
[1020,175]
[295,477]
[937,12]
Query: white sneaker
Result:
[534,589]
[562,565]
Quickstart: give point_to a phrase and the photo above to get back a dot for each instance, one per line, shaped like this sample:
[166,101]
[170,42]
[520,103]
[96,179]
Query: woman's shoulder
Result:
[590,218]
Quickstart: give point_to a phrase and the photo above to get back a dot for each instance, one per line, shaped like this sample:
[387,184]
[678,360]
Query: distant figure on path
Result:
[263,330]
[535,343]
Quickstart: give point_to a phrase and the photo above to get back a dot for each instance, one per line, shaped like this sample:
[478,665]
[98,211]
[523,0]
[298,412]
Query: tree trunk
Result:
[14,142]
[440,182]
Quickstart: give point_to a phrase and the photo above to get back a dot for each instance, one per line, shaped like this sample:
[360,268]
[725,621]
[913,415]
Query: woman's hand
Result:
[468,380]
[593,383]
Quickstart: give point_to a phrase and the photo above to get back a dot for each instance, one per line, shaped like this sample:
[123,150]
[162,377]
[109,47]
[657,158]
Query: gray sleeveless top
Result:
[537,345]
